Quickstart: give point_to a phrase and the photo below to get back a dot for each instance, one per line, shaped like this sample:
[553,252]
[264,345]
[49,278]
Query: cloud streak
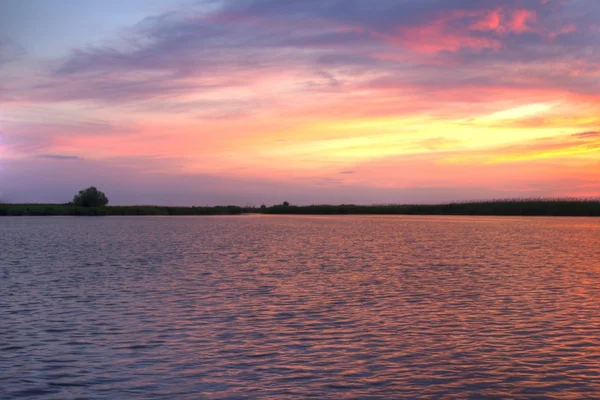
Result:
[60,157]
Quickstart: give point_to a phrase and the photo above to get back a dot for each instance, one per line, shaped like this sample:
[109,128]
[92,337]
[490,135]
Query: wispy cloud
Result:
[60,157]
[585,135]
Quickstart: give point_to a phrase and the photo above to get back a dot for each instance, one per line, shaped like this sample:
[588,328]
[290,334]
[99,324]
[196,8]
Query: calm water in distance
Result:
[299,307]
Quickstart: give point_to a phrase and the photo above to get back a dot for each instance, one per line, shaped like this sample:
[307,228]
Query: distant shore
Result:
[529,207]
[68,209]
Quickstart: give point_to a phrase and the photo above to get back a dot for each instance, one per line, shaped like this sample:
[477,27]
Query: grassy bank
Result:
[532,207]
[64,209]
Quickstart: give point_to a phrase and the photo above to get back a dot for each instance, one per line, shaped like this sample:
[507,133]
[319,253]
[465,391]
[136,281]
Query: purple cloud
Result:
[195,50]
[587,135]
[9,51]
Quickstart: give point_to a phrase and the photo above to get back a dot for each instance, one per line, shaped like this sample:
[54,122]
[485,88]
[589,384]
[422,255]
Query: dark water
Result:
[298,307]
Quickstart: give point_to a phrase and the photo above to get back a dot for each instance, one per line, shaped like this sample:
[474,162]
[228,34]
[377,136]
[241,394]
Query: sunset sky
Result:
[309,101]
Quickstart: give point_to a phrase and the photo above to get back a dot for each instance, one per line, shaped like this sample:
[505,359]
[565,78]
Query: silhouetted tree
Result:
[286,204]
[263,206]
[90,197]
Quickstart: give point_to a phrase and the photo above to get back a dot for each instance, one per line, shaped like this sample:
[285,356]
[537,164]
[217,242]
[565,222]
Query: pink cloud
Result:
[462,29]
[489,22]
[502,21]
[437,35]
[520,20]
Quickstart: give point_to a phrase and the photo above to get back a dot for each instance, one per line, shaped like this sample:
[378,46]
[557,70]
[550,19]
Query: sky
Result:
[308,101]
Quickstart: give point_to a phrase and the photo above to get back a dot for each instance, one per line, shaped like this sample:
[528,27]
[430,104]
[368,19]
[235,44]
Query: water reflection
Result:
[272,307]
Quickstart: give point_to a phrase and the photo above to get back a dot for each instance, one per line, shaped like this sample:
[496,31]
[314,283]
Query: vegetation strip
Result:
[535,207]
[68,209]
[529,207]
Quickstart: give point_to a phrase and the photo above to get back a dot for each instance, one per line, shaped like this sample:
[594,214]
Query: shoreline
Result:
[31,210]
[533,207]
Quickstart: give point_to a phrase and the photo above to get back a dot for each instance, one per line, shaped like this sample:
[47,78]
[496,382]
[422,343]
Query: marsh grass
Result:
[514,207]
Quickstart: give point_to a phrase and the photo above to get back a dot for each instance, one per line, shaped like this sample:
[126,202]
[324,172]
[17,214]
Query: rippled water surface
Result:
[297,307]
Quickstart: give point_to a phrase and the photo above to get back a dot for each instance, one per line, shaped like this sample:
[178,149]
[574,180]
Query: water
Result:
[299,307]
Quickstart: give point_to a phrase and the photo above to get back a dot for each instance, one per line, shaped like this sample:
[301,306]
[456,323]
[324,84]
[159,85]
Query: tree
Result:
[286,204]
[90,197]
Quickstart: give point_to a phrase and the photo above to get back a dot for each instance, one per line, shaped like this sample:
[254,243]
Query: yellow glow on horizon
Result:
[576,151]
[520,112]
